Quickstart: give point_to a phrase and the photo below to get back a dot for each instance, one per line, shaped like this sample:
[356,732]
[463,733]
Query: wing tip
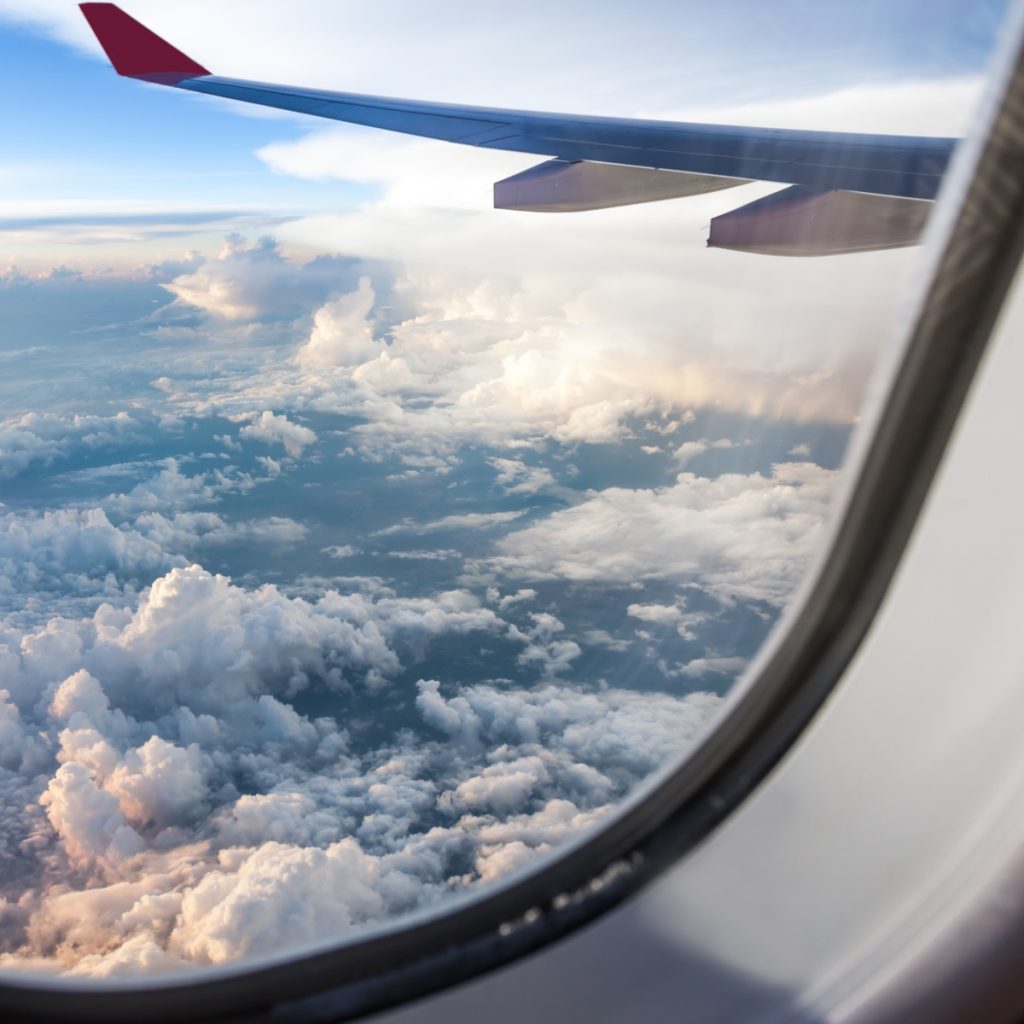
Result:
[134,50]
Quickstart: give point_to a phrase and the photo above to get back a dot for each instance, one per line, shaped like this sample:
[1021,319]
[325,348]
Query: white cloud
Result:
[188,531]
[44,437]
[658,614]
[91,826]
[494,595]
[449,177]
[438,555]
[170,490]
[179,869]
[737,537]
[700,667]
[271,428]
[458,521]
[689,450]
[340,551]
[937,107]
[283,896]
[518,478]
[544,646]
[69,541]
[260,282]
[342,334]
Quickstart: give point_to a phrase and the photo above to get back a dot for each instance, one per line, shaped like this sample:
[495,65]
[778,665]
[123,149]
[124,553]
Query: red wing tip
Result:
[134,50]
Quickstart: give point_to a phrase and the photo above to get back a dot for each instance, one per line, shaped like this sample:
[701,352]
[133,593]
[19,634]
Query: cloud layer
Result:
[175,809]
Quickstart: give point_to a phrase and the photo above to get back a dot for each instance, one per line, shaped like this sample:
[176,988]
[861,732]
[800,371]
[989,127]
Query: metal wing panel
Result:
[881,164]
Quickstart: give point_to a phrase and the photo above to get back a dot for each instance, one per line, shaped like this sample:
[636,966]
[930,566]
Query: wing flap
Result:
[805,222]
[557,186]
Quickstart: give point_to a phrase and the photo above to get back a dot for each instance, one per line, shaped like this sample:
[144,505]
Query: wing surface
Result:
[909,167]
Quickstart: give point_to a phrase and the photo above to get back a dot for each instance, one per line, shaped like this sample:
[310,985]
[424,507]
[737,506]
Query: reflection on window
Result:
[371,553]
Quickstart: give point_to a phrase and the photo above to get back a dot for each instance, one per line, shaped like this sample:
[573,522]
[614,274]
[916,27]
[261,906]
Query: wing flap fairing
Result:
[805,222]
[558,186]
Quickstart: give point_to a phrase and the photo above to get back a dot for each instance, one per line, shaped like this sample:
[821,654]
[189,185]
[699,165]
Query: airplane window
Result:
[367,536]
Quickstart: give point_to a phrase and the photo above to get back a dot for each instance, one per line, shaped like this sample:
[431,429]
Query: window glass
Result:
[362,543]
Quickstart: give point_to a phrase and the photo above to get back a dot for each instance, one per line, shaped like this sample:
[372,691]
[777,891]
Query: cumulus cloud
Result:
[271,428]
[737,537]
[689,450]
[190,754]
[175,865]
[196,640]
[189,531]
[437,555]
[544,646]
[65,542]
[44,437]
[518,478]
[659,614]
[342,333]
[456,521]
[283,895]
[260,282]
[340,551]
[700,667]
[576,351]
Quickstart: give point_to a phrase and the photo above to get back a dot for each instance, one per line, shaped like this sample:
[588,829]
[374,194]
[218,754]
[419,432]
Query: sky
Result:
[362,544]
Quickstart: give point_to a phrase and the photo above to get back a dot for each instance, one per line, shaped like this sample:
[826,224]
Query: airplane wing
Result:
[847,192]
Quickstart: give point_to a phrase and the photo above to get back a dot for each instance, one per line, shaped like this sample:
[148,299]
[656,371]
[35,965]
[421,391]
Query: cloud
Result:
[189,531]
[259,282]
[342,333]
[523,333]
[176,867]
[450,177]
[71,541]
[278,429]
[170,490]
[92,829]
[438,555]
[516,477]
[659,614]
[689,450]
[544,647]
[340,551]
[196,640]
[494,595]
[700,667]
[284,896]
[736,537]
[45,437]
[458,521]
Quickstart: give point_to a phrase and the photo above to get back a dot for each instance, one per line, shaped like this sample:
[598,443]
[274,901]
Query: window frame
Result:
[974,245]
